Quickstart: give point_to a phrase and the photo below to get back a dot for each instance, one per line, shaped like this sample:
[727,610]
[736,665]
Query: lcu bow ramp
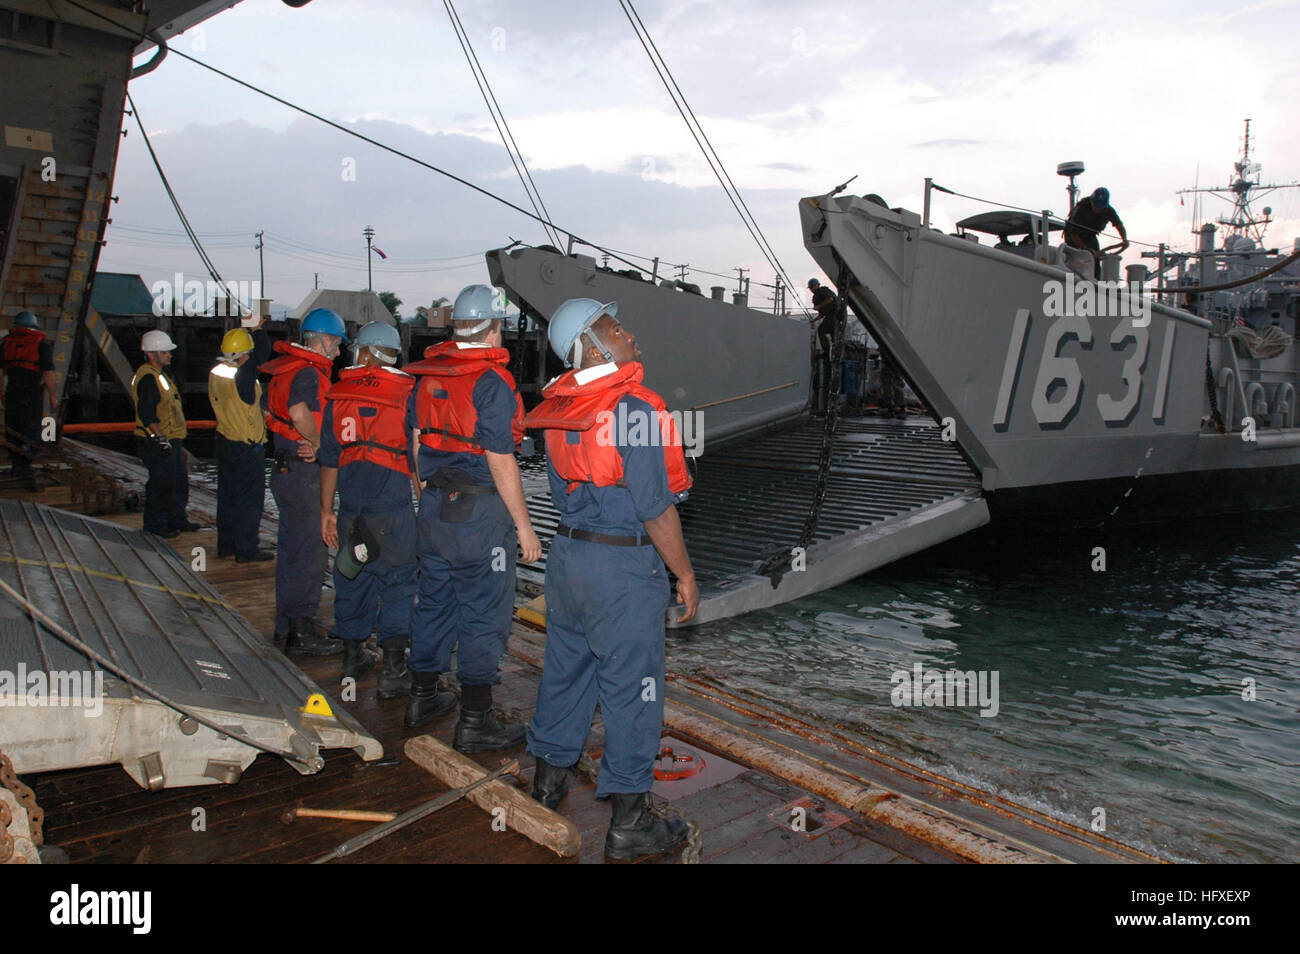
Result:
[893,489]
[130,599]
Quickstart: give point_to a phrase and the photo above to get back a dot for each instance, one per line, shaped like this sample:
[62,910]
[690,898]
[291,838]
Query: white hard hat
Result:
[157,341]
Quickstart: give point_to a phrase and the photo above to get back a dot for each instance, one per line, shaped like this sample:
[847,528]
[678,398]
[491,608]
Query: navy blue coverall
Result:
[241,468]
[605,609]
[167,490]
[467,560]
[382,596]
[24,395]
[301,555]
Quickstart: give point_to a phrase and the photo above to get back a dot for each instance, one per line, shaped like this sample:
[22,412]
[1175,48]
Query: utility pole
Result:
[681,273]
[315,280]
[740,282]
[261,267]
[369,233]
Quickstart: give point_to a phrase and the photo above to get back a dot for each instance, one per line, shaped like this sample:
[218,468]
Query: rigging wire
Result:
[171,195]
[375,142]
[503,127]
[710,154]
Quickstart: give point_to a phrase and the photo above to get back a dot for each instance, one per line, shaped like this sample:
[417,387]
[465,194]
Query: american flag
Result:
[379,251]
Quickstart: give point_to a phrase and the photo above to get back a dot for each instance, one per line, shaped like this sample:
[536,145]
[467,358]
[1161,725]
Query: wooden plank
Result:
[522,814]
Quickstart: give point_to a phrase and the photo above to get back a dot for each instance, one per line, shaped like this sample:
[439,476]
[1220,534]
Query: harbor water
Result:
[1127,689]
[1162,690]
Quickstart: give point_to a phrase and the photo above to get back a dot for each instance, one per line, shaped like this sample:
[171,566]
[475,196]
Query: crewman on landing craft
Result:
[606,585]
[159,429]
[1086,222]
[365,454]
[27,371]
[300,377]
[472,518]
[236,398]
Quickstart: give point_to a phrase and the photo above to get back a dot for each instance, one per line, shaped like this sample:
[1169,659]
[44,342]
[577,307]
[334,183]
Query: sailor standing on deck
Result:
[606,586]
[27,370]
[365,454]
[300,376]
[159,430]
[472,517]
[236,398]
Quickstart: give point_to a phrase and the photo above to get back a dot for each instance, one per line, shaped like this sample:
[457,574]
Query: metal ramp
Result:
[129,597]
[895,488]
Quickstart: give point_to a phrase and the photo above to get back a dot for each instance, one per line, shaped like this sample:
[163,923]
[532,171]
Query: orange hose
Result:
[121,427]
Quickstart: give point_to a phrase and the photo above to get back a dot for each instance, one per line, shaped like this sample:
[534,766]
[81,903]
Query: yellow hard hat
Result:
[236,341]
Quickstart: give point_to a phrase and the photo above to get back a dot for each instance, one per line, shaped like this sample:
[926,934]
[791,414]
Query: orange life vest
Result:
[294,357]
[444,402]
[594,457]
[380,438]
[22,348]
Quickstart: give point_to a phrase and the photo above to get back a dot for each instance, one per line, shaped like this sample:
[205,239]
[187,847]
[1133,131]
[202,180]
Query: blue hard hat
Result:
[325,322]
[570,320]
[380,334]
[25,319]
[479,301]
[1101,198]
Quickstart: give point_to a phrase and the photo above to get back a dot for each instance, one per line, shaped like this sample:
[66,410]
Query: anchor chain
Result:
[26,798]
[778,563]
[1213,392]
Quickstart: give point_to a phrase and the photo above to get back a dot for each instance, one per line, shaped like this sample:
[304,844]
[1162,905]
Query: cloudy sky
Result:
[796,97]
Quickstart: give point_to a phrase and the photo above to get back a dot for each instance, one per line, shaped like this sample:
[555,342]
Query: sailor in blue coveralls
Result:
[473,520]
[300,377]
[365,454]
[607,588]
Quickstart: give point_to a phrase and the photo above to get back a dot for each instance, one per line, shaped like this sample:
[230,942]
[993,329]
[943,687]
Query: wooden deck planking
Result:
[100,815]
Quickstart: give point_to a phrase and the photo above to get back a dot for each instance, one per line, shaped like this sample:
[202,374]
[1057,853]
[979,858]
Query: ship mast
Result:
[1244,189]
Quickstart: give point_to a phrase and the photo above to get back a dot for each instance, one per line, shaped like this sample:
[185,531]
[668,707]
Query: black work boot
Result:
[306,638]
[635,831]
[478,730]
[427,701]
[550,783]
[394,678]
[357,660]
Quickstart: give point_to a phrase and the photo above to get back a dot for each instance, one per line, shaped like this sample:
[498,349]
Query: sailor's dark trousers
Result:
[241,495]
[605,609]
[301,555]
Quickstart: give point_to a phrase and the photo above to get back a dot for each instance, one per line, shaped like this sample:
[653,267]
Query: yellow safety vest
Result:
[236,420]
[171,417]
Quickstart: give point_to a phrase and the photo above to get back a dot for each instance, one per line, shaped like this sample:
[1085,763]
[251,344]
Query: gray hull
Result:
[1038,398]
[742,370]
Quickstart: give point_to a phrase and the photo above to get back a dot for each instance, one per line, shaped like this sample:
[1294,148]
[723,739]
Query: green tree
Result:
[392,303]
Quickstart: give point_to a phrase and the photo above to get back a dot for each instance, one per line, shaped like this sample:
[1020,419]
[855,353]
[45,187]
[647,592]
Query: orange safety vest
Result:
[593,458]
[444,402]
[293,358]
[22,349]
[380,438]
